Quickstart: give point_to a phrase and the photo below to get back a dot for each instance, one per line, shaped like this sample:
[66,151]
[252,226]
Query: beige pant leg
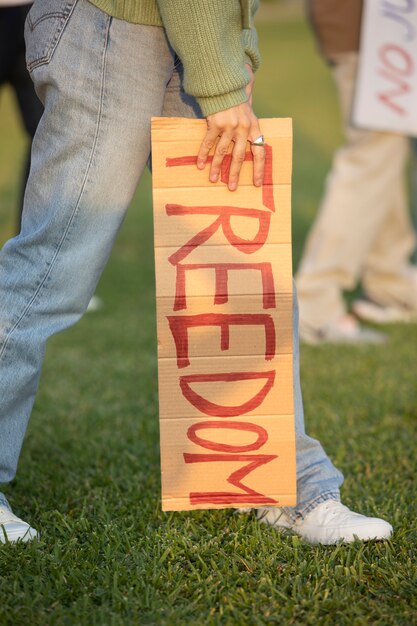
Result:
[364,197]
[388,277]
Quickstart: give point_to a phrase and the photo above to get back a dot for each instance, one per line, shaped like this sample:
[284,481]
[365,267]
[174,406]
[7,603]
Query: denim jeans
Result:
[101,80]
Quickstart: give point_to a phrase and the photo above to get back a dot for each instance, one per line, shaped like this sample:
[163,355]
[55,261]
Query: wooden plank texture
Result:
[224,321]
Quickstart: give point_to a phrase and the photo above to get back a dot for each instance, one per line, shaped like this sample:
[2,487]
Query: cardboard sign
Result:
[224,317]
[386,91]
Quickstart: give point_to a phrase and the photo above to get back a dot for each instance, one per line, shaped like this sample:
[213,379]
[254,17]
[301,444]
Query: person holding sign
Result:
[103,69]
[363,232]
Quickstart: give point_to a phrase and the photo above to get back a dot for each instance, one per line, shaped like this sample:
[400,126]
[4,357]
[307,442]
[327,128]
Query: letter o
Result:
[224,447]
[405,68]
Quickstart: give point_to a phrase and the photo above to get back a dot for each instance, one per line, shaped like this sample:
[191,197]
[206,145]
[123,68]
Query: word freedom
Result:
[249,453]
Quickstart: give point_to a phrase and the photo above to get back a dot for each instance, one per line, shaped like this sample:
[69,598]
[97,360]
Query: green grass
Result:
[89,471]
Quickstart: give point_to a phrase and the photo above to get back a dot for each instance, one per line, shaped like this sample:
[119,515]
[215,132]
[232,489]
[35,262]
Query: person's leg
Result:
[319,516]
[318,479]
[389,280]
[362,193]
[30,106]
[104,82]
[177,103]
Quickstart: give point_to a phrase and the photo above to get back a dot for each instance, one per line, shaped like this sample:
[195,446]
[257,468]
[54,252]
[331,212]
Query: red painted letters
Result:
[222,272]
[249,496]
[224,216]
[267,190]
[224,447]
[218,410]
[181,325]
[397,67]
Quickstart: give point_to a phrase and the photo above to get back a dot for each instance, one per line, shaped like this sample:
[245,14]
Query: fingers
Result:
[232,128]
[238,158]
[258,153]
[207,144]
[220,152]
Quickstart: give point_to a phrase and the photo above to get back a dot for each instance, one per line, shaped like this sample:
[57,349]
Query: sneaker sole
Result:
[369,312]
[14,536]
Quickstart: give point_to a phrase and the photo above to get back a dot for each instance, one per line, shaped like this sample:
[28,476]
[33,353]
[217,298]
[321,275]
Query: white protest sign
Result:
[386,90]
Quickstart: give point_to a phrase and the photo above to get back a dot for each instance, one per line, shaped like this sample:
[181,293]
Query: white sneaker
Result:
[378,314]
[14,529]
[345,330]
[329,523]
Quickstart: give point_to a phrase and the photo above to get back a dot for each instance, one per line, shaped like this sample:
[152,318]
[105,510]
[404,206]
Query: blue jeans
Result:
[101,80]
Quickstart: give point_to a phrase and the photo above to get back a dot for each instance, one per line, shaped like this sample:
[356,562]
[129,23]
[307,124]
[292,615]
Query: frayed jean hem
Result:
[295,513]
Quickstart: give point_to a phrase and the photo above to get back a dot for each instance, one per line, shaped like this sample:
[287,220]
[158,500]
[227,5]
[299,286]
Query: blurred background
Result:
[93,437]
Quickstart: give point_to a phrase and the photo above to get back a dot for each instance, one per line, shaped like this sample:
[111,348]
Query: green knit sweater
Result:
[213,38]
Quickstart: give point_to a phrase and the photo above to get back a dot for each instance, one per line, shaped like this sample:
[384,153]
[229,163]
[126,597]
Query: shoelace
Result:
[336,509]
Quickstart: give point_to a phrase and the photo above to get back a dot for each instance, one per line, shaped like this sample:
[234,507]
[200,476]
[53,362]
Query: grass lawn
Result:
[89,471]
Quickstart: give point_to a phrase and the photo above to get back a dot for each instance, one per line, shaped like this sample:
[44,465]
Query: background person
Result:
[363,231]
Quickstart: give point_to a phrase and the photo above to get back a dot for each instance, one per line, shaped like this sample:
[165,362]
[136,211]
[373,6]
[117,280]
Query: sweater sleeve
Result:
[214,39]
[250,37]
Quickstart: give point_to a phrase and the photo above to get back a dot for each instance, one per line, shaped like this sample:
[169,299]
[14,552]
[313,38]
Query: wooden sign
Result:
[224,317]
[386,91]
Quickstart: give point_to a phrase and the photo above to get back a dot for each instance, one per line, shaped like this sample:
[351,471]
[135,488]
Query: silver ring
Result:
[259,141]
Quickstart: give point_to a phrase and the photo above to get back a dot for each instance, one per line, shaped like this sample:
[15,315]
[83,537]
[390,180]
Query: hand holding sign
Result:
[236,126]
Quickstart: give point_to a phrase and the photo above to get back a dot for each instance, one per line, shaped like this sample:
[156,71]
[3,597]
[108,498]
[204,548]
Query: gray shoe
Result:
[344,331]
